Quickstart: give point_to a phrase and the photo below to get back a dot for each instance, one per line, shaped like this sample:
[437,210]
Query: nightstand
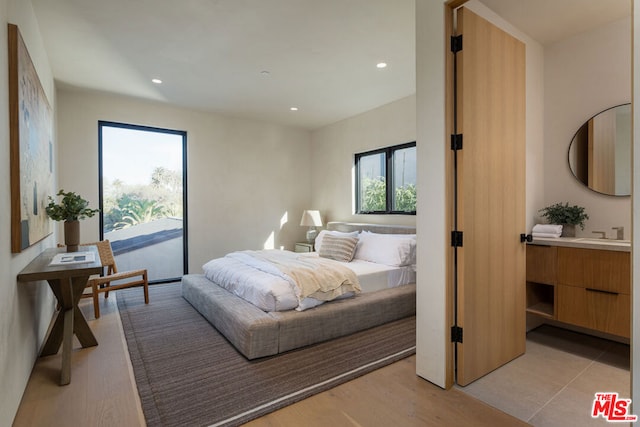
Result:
[303,247]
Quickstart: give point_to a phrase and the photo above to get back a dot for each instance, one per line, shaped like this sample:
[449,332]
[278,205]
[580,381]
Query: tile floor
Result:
[554,382]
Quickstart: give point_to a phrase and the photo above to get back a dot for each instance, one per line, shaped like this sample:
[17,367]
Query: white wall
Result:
[332,158]
[245,178]
[431,296]
[25,308]
[584,75]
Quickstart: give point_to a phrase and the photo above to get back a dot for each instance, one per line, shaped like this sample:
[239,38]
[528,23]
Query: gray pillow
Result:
[338,248]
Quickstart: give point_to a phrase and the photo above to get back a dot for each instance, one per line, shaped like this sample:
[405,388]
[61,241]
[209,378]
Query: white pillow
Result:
[412,236]
[320,236]
[388,249]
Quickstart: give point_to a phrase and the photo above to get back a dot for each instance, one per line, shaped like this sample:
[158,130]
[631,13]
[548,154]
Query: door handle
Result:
[600,291]
[526,238]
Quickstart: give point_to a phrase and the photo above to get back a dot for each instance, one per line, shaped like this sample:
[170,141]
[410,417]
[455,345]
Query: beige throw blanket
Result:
[314,277]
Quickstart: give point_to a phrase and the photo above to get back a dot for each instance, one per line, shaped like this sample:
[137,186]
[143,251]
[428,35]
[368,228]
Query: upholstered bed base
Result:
[256,333]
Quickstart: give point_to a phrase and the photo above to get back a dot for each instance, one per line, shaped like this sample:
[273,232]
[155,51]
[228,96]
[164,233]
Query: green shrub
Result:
[564,214]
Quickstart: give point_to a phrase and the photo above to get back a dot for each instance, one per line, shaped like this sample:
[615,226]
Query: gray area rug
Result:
[188,374]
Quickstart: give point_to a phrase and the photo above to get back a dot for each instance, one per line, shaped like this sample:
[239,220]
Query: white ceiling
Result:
[549,21]
[320,55]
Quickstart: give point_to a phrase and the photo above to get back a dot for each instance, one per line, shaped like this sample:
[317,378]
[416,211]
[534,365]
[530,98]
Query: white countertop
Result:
[585,243]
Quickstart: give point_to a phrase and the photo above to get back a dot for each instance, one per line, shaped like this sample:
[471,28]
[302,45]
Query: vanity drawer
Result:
[542,264]
[595,269]
[593,309]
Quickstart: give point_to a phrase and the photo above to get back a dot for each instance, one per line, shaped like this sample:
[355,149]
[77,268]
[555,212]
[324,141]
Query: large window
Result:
[143,198]
[386,180]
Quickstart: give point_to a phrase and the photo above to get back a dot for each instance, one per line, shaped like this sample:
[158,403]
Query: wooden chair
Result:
[102,284]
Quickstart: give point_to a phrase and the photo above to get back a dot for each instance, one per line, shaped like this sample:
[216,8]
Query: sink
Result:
[603,241]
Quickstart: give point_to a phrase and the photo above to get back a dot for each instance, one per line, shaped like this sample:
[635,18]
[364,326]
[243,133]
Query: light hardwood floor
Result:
[102,393]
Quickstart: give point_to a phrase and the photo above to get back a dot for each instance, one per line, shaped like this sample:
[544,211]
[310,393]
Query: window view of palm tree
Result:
[142,198]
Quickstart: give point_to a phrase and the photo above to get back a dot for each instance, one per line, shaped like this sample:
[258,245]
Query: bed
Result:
[268,326]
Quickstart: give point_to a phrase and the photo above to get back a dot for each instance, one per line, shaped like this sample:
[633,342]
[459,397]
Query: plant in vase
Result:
[567,216]
[71,209]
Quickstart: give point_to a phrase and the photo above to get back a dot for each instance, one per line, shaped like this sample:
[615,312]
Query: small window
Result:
[386,180]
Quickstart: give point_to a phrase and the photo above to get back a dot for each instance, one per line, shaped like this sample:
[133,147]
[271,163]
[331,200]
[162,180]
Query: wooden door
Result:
[490,208]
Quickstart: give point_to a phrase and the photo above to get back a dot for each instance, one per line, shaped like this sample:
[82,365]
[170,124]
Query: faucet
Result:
[620,232]
[603,235]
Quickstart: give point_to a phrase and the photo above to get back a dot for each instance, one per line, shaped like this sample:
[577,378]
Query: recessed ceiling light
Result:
[294,108]
[381,65]
[265,73]
[156,81]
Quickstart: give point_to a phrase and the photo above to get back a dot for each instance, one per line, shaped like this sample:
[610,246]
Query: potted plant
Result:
[71,209]
[567,216]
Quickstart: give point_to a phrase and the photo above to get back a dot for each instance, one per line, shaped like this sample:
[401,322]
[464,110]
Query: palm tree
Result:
[139,211]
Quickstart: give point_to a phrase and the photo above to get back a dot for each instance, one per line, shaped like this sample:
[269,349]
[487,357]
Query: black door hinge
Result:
[456,239]
[456,142]
[456,334]
[526,238]
[456,43]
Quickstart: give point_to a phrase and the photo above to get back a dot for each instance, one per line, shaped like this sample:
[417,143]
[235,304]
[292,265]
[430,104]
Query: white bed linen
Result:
[375,277]
[252,276]
[265,291]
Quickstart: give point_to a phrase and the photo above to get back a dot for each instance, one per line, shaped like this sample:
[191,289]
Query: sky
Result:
[131,155]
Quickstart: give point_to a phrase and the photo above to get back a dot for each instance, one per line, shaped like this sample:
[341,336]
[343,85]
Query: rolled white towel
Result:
[554,235]
[547,228]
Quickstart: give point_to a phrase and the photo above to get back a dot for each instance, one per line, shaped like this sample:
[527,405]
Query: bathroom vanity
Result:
[581,281]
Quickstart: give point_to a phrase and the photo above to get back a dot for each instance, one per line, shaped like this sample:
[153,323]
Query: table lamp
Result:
[312,220]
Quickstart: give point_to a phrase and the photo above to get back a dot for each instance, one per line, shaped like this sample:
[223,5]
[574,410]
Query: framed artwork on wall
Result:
[30,148]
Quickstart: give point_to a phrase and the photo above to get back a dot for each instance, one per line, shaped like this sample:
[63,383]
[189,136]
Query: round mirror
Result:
[600,152]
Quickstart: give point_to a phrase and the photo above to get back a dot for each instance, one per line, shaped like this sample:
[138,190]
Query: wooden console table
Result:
[67,283]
